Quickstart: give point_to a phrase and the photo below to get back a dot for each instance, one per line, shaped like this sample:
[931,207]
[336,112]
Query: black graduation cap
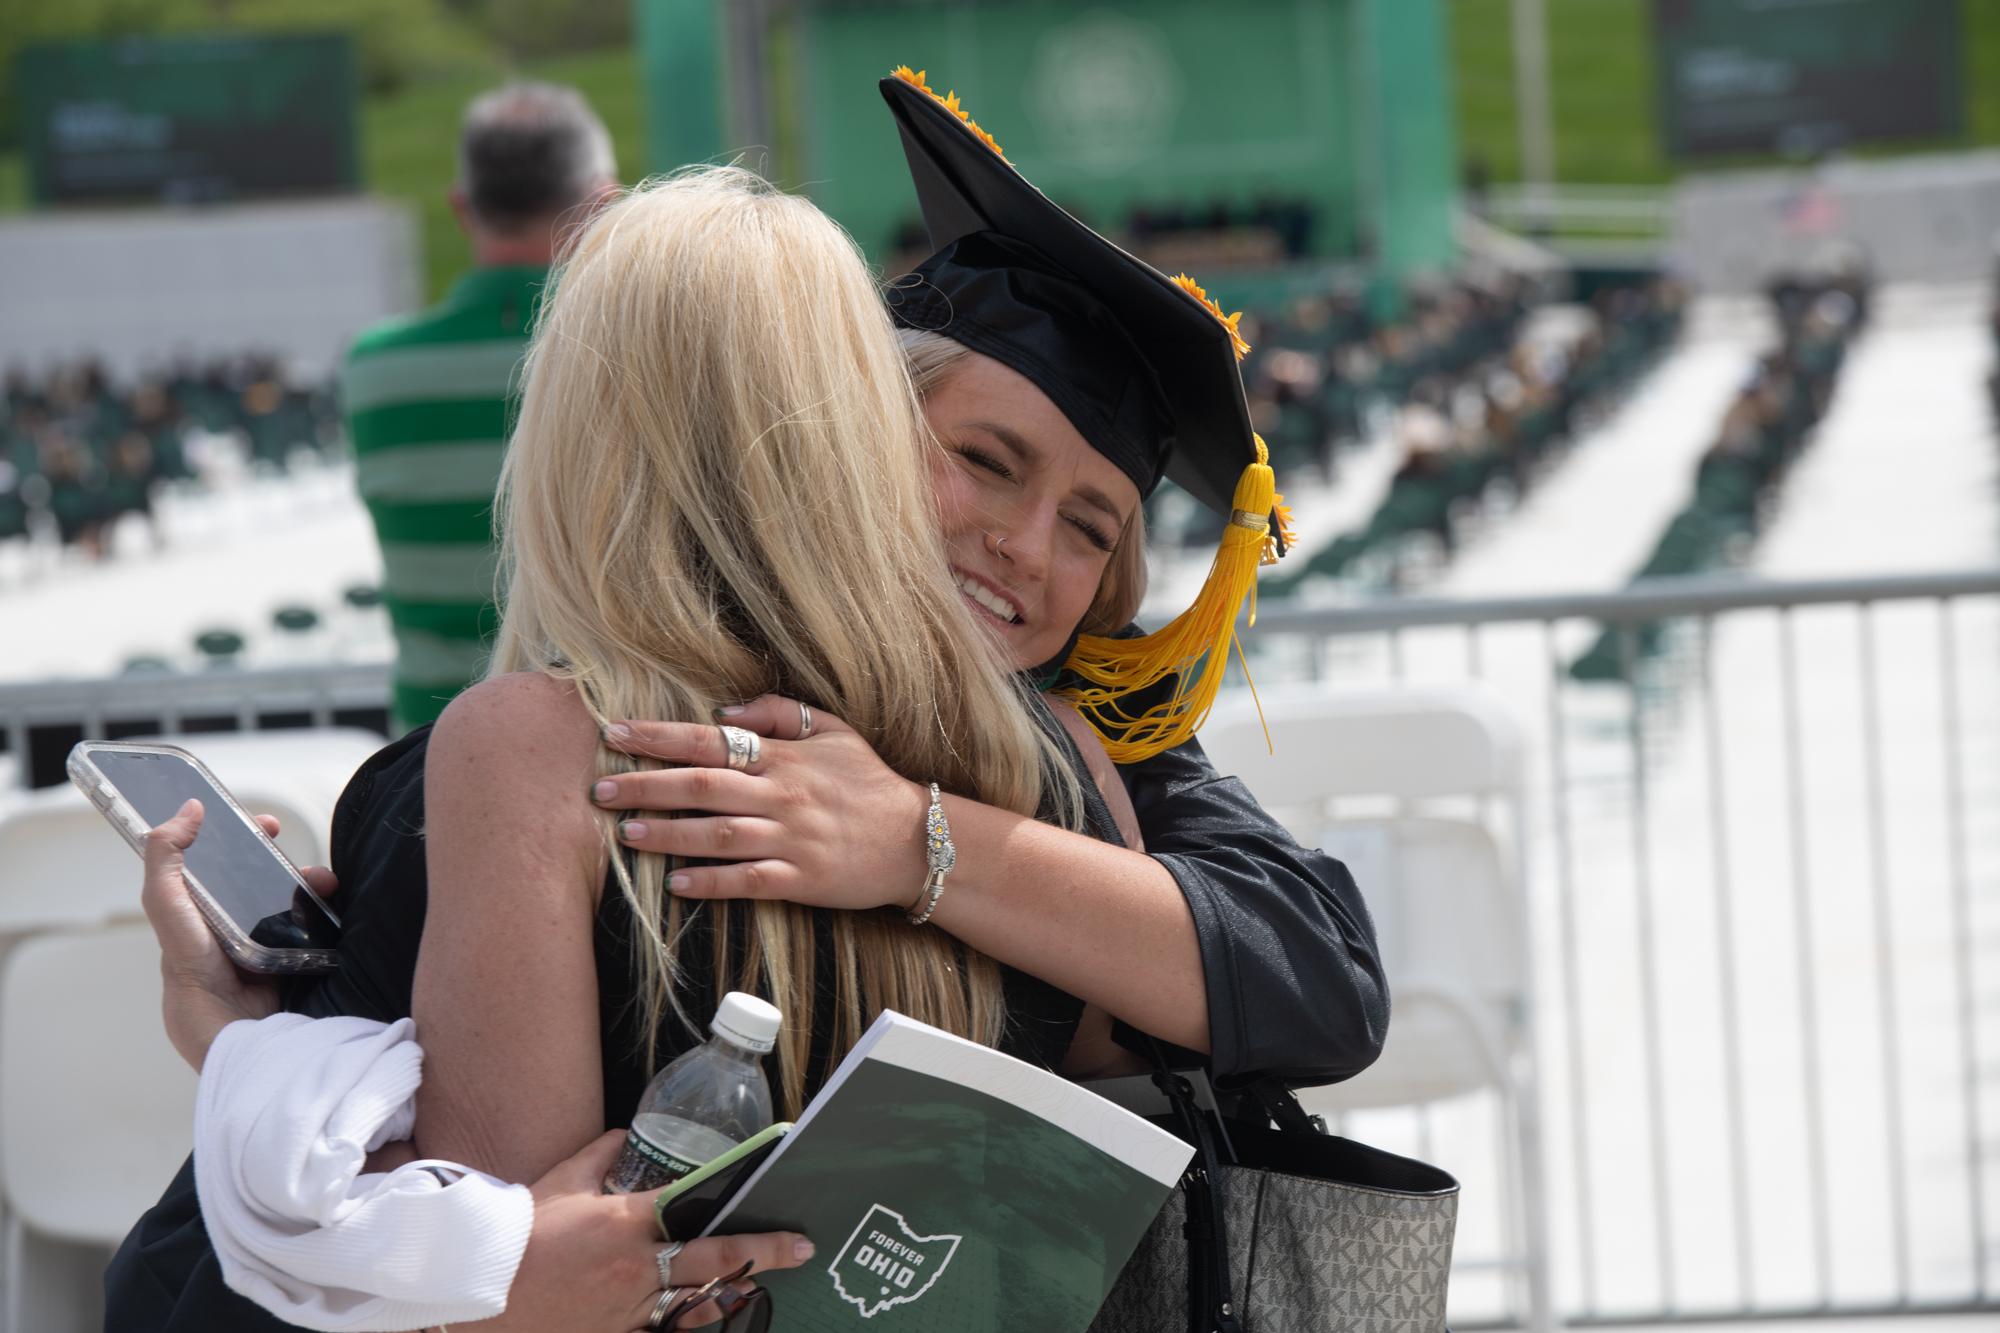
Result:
[1143,368]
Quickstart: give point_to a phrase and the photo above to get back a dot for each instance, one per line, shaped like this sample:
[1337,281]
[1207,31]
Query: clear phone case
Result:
[244,951]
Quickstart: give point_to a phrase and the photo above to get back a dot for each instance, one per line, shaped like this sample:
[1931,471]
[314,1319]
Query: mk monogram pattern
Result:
[1305,1256]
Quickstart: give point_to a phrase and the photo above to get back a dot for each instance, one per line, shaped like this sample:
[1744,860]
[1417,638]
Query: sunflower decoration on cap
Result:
[1143,365]
[1230,322]
[915,78]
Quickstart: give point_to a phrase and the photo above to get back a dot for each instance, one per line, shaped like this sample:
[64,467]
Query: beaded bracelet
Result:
[939,854]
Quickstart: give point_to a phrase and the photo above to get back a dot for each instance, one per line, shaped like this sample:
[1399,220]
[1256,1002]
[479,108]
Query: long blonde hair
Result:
[717,489]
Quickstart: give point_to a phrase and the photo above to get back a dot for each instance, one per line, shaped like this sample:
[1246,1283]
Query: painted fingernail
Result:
[604,791]
[618,731]
[679,883]
[631,830]
[732,711]
[802,1249]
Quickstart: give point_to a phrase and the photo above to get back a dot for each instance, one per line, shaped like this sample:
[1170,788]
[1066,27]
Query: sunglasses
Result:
[742,1311]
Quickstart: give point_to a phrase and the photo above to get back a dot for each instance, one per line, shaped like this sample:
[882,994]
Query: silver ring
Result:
[665,1259]
[744,748]
[658,1319]
[997,545]
[805,721]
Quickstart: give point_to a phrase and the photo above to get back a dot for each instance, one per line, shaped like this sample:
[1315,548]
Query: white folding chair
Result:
[62,866]
[1441,769]
[96,1108]
[1447,927]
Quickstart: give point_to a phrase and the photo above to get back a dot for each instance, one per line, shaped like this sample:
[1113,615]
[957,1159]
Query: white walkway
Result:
[1902,474]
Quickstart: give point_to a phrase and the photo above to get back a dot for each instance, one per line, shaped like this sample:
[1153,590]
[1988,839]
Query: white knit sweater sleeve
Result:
[288,1110]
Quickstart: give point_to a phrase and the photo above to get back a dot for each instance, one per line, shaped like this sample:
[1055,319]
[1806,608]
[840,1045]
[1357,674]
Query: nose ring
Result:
[997,545]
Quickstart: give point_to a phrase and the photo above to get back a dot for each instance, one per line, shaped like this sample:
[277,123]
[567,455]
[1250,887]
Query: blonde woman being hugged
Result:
[717,491]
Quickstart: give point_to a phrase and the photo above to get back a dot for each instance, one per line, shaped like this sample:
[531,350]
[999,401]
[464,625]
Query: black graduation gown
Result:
[1295,985]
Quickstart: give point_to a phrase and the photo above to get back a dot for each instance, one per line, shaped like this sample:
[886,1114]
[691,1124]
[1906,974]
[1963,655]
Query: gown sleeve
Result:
[1295,984]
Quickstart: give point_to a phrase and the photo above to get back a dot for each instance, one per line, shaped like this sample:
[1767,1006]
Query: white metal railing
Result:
[1633,215]
[41,720]
[1764,876]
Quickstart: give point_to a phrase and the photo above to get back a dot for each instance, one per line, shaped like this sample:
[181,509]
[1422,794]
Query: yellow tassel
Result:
[1194,647]
[1272,550]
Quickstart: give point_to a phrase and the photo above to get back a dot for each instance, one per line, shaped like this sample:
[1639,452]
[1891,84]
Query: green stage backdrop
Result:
[189,119]
[1340,106]
[1106,110]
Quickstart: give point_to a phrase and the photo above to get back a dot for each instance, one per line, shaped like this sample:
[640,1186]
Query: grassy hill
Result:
[1601,72]
[419,62]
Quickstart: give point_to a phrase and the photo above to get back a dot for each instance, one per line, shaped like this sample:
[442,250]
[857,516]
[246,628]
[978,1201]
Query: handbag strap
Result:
[1210,1308]
[1280,1103]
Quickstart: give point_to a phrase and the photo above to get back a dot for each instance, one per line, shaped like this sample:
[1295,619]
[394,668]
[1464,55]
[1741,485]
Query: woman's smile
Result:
[1001,606]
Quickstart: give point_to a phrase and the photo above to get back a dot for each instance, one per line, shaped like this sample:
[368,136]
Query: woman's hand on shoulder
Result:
[817,819]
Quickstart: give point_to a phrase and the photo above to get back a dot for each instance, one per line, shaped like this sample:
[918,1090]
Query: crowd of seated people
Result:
[1317,368]
[1763,431]
[1292,221]
[1317,363]
[1172,234]
[77,451]
[1477,401]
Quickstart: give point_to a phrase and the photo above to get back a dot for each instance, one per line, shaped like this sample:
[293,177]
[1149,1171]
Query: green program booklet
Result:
[949,1187]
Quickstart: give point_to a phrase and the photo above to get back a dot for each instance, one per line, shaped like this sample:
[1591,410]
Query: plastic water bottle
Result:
[704,1103]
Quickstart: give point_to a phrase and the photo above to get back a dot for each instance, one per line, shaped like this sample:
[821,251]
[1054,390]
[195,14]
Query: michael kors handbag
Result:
[1287,1230]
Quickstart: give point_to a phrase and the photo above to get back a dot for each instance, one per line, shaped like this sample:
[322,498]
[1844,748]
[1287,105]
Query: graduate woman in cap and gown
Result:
[1065,379]
[1062,379]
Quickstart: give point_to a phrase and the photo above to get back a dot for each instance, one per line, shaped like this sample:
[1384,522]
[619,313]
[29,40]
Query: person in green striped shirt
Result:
[429,397]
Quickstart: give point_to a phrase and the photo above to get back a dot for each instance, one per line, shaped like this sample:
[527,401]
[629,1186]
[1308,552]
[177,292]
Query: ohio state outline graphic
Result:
[889,1262]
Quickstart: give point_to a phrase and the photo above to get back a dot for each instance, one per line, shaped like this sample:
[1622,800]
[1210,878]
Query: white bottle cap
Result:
[747,1021]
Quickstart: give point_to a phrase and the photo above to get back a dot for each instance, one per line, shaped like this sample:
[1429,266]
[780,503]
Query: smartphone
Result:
[685,1208]
[252,896]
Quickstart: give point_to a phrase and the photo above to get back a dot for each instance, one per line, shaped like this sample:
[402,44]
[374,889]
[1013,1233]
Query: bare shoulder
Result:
[526,712]
[519,735]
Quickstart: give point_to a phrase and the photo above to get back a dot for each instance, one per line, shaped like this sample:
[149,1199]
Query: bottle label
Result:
[659,1156]
[643,1166]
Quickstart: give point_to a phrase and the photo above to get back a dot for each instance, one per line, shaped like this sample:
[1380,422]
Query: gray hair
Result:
[528,151]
